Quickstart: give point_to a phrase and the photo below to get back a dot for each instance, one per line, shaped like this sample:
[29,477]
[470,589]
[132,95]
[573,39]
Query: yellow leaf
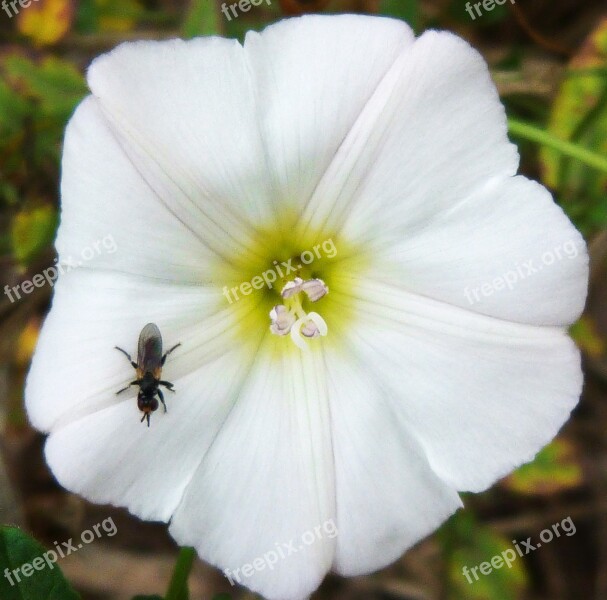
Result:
[555,469]
[46,21]
[27,342]
[118,15]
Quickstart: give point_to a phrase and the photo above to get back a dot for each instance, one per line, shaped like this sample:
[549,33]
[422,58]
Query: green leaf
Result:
[202,18]
[407,10]
[13,109]
[108,15]
[554,469]
[87,16]
[565,148]
[178,586]
[579,114]
[10,195]
[55,85]
[47,92]
[469,544]
[587,336]
[32,230]
[147,597]
[45,582]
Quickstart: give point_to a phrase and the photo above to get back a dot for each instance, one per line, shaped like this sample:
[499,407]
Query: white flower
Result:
[209,163]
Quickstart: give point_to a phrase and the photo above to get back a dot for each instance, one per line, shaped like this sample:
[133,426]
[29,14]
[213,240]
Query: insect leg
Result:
[168,352]
[167,384]
[161,399]
[133,364]
[136,382]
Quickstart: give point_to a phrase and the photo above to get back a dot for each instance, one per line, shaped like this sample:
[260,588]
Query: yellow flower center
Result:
[286,280]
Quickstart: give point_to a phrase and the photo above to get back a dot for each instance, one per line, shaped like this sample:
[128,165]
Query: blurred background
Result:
[549,61]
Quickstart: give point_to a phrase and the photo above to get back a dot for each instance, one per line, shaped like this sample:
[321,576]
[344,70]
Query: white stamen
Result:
[282,320]
[310,330]
[296,334]
[315,289]
[292,288]
[292,318]
[320,323]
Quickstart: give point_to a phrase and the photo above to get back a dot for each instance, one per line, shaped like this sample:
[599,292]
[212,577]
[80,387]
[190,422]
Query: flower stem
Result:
[178,588]
[535,134]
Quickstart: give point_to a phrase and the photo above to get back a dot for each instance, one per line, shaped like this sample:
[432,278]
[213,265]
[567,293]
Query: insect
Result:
[150,361]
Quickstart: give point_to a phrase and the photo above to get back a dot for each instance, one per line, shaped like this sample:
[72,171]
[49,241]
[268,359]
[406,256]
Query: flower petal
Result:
[433,132]
[109,456]
[508,251]
[184,114]
[482,395]
[105,201]
[76,363]
[387,495]
[267,479]
[312,76]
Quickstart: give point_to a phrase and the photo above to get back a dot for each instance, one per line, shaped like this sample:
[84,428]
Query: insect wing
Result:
[149,350]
